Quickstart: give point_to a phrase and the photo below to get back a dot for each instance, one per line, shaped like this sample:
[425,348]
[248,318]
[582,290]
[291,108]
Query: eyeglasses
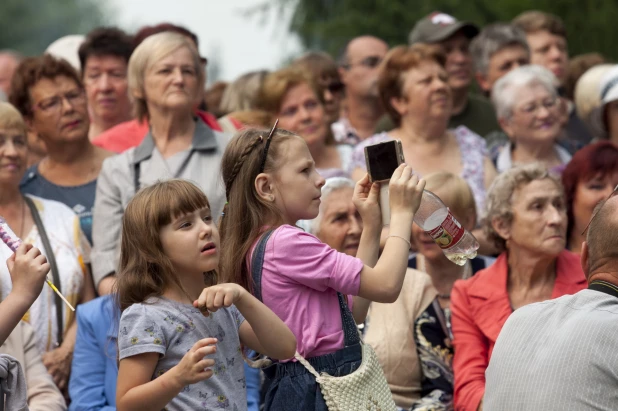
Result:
[534,107]
[369,62]
[53,104]
[599,208]
[265,152]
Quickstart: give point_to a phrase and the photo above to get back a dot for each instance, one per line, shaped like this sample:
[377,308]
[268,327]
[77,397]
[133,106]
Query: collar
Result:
[604,287]
[203,139]
[505,158]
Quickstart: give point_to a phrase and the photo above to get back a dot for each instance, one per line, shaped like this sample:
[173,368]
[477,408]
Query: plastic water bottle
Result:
[436,219]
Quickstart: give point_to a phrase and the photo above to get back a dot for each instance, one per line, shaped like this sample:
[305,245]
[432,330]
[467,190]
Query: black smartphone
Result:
[383,159]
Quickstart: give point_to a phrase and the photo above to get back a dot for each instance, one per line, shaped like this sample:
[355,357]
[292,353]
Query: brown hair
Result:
[246,213]
[278,83]
[396,63]
[145,271]
[105,41]
[577,67]
[30,72]
[535,20]
[148,31]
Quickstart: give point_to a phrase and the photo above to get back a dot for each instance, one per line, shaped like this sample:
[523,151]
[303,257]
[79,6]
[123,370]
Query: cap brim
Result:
[468,29]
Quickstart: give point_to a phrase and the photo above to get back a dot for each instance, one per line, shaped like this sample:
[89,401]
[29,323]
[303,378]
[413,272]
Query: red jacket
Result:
[131,133]
[480,306]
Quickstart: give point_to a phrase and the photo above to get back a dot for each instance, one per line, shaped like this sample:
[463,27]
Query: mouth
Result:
[72,124]
[11,166]
[209,248]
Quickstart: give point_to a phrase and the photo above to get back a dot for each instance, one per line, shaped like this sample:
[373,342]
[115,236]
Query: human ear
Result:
[501,227]
[264,186]
[506,126]
[584,259]
[400,105]
[482,82]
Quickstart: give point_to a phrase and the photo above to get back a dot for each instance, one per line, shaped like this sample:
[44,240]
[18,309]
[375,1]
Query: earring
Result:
[271,198]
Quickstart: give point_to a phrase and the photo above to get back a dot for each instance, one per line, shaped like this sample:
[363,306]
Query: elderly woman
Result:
[291,96]
[588,179]
[526,217]
[528,110]
[34,220]
[338,224]
[166,80]
[414,90]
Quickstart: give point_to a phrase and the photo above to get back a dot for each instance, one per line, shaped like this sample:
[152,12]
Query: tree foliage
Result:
[592,25]
[29,26]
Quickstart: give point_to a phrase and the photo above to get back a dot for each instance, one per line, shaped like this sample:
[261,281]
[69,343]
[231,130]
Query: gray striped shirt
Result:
[560,354]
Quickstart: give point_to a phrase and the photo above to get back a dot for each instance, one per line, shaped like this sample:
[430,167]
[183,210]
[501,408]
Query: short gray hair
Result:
[504,90]
[500,194]
[491,40]
[330,186]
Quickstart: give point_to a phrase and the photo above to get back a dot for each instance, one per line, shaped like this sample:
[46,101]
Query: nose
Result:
[320,181]
[178,78]
[555,53]
[205,229]
[556,216]
[104,83]
[9,149]
[67,106]
[328,96]
[356,226]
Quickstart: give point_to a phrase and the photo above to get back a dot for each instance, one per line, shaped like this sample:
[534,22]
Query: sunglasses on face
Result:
[335,87]
[613,193]
[369,62]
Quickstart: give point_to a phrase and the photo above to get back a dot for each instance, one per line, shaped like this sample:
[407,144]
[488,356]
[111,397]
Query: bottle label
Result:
[449,233]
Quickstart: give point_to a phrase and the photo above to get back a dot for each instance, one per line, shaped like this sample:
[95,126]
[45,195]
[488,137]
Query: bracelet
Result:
[403,238]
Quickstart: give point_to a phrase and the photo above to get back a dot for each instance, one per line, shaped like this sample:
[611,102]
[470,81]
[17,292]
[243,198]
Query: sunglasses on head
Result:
[369,62]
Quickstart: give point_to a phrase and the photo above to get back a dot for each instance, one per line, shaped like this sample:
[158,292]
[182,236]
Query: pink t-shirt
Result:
[300,279]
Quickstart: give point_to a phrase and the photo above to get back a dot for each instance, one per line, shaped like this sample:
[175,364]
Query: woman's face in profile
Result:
[13,154]
[341,225]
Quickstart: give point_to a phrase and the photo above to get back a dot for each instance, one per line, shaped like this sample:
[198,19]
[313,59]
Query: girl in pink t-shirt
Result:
[271,182]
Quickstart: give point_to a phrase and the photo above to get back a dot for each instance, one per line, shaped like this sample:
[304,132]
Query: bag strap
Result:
[350,332]
[52,262]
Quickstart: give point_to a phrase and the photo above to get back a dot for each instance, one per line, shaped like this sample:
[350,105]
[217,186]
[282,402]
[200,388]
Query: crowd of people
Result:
[223,246]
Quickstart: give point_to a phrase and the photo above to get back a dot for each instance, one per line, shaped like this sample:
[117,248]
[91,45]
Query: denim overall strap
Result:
[257,262]
[350,331]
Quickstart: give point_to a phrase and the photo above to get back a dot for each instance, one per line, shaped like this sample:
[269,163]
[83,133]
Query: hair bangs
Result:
[178,198]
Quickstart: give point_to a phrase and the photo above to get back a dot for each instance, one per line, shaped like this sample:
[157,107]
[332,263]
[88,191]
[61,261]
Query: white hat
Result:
[67,48]
[607,92]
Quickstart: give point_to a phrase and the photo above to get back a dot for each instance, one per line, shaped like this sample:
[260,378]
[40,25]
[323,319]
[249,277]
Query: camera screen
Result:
[383,160]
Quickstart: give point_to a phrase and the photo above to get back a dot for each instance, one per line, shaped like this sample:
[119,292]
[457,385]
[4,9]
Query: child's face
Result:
[298,186]
[191,242]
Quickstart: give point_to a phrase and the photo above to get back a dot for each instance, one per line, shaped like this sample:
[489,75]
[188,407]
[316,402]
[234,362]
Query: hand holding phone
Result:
[382,160]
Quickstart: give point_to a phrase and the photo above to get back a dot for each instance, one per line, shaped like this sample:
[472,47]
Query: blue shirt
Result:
[79,198]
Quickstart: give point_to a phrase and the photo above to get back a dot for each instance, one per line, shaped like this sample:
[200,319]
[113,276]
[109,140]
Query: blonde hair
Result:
[11,118]
[148,53]
[243,93]
[145,271]
[454,191]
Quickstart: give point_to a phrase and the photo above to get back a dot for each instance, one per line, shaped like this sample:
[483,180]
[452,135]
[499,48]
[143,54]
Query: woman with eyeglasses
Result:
[527,220]
[292,96]
[54,229]
[50,95]
[528,109]
[414,89]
